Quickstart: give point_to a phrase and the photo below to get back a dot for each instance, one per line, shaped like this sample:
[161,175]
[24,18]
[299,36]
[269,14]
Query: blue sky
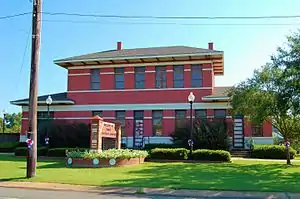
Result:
[245,47]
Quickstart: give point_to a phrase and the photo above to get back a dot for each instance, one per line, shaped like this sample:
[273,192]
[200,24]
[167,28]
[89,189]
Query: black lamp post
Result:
[3,121]
[48,102]
[191,99]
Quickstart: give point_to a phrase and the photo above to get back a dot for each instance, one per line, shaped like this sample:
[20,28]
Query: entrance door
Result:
[138,134]
[238,132]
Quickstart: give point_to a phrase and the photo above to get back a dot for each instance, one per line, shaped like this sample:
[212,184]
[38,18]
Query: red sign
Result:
[108,130]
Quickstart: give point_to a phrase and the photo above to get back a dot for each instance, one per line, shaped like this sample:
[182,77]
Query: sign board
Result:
[108,130]
[94,135]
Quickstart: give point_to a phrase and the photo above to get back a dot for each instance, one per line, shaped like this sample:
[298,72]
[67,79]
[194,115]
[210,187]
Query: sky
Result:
[246,47]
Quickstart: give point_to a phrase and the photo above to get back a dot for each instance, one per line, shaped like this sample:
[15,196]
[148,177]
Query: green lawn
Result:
[239,175]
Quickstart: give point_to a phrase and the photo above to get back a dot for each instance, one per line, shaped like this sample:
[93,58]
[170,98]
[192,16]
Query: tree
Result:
[273,92]
[12,123]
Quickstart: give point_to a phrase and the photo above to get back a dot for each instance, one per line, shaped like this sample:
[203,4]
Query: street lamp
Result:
[3,120]
[48,102]
[191,99]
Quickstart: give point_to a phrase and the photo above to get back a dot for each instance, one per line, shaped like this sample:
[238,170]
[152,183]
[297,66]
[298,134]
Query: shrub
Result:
[8,146]
[271,152]
[206,135]
[160,145]
[22,151]
[211,155]
[61,152]
[108,154]
[169,154]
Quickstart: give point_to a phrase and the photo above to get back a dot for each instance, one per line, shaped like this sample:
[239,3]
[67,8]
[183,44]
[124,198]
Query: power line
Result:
[171,17]
[172,23]
[15,15]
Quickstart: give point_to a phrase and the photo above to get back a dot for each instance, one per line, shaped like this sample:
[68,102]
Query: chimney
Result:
[119,45]
[210,45]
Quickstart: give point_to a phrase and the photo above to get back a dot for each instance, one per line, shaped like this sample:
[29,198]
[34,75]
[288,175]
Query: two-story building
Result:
[146,90]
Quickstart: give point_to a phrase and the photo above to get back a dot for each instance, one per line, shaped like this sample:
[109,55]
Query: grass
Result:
[239,175]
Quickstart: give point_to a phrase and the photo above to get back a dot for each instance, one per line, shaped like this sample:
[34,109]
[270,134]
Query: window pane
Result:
[178,84]
[220,113]
[157,123]
[120,117]
[196,82]
[160,77]
[119,70]
[120,114]
[157,114]
[196,75]
[99,113]
[257,130]
[138,115]
[119,78]
[95,79]
[95,85]
[200,113]
[139,69]
[180,114]
[119,85]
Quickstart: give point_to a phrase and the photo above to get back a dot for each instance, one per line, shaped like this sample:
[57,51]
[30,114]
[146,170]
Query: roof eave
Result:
[59,102]
[62,61]
[216,98]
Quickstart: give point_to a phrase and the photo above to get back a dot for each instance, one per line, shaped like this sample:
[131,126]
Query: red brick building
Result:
[146,87]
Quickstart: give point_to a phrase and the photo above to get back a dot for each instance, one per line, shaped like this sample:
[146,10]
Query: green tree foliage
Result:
[12,124]
[272,93]
[206,135]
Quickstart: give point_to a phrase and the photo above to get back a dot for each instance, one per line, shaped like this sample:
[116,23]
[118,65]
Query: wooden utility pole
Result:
[35,58]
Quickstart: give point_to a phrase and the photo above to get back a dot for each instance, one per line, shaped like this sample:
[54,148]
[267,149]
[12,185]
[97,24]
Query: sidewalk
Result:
[263,160]
[148,191]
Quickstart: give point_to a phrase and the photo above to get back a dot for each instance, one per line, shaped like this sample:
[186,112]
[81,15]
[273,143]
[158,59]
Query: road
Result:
[13,193]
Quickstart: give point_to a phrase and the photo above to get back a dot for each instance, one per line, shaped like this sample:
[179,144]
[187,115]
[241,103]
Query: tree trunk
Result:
[288,157]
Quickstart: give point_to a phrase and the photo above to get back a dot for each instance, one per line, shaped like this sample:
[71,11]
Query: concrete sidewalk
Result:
[149,191]
[263,160]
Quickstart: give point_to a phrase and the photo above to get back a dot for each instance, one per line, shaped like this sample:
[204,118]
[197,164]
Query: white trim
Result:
[215,98]
[104,107]
[73,118]
[169,117]
[169,70]
[207,69]
[140,57]
[129,118]
[187,70]
[149,89]
[139,64]
[150,71]
[129,72]
[107,73]
[148,118]
[78,74]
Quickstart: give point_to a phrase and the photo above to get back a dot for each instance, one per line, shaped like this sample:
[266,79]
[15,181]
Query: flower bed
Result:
[108,158]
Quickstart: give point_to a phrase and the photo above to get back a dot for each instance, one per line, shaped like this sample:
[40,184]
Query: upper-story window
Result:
[196,80]
[95,79]
[139,77]
[119,78]
[160,77]
[178,76]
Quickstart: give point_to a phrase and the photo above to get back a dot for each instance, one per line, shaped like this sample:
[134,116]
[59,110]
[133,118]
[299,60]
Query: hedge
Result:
[22,151]
[6,147]
[108,154]
[61,152]
[169,154]
[271,152]
[211,155]
[160,145]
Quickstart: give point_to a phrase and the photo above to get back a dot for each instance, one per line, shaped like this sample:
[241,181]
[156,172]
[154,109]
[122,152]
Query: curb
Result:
[147,191]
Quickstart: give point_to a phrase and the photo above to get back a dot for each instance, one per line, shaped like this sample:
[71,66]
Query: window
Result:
[99,113]
[196,76]
[201,114]
[178,76]
[180,118]
[140,77]
[160,77]
[157,123]
[120,118]
[138,115]
[45,114]
[95,79]
[257,130]
[119,78]
[220,113]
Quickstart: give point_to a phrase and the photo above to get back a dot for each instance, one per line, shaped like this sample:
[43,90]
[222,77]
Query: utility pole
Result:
[35,58]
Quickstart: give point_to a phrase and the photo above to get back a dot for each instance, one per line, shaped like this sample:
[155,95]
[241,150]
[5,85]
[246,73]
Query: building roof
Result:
[57,98]
[137,52]
[146,55]
[219,94]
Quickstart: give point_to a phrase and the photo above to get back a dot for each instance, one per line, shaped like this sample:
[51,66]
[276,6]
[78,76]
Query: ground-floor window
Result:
[220,113]
[200,114]
[157,123]
[120,118]
[180,118]
[257,130]
[98,113]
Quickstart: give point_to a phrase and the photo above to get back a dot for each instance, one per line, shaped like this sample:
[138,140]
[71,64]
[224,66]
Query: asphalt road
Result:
[13,193]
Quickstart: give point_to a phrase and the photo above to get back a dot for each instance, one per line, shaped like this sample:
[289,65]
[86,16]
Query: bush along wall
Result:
[62,152]
[7,147]
[271,152]
[169,154]
[211,155]
[22,151]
